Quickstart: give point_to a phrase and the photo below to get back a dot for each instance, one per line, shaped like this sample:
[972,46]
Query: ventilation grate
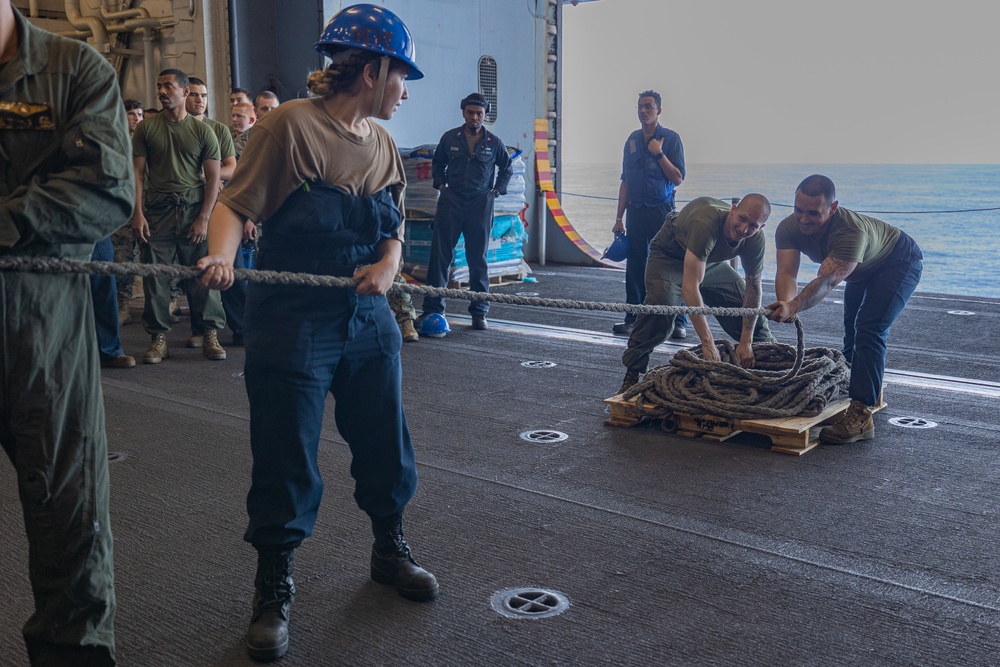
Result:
[488,85]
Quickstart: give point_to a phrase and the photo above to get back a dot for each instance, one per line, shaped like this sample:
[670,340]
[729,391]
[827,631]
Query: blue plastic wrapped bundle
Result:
[421,197]
[504,252]
[514,200]
[417,243]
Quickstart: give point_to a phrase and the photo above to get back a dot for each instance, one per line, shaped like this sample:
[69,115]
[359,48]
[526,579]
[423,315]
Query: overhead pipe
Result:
[147,26]
[111,22]
[108,15]
[234,46]
[148,67]
[92,23]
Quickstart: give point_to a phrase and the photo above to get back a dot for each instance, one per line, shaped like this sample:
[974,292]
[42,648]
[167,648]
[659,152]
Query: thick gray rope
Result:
[48,265]
[786,382]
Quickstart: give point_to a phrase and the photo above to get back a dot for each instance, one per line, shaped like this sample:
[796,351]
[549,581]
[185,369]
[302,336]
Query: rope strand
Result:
[786,381]
[50,265]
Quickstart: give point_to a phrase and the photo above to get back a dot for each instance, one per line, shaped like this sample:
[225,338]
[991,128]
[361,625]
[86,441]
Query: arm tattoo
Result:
[831,273]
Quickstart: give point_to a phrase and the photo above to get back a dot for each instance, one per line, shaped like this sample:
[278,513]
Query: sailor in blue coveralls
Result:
[471,169]
[652,168]
[334,183]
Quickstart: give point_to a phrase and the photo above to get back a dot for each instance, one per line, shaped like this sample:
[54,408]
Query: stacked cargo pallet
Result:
[505,251]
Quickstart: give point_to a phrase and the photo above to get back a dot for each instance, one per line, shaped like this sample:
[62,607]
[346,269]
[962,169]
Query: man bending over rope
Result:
[689,262]
[881,266]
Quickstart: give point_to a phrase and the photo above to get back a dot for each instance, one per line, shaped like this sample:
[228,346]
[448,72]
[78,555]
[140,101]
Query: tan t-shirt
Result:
[299,141]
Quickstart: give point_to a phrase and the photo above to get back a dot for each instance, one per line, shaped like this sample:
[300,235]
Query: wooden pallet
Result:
[788,435]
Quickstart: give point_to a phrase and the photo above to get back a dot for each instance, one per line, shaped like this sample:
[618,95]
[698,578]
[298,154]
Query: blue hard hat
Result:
[434,325]
[618,250]
[369,28]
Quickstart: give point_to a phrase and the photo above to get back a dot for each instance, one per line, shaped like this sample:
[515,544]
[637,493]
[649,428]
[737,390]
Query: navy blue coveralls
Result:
[465,207]
[650,197]
[305,342]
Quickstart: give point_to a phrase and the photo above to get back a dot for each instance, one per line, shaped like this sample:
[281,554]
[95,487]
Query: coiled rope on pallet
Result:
[787,381]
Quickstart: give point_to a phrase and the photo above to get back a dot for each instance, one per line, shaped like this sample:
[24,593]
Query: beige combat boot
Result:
[210,346]
[856,424]
[157,351]
[124,315]
[409,332]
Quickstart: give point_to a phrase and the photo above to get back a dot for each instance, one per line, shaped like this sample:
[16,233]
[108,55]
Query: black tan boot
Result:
[267,637]
[630,380]
[393,565]
[856,424]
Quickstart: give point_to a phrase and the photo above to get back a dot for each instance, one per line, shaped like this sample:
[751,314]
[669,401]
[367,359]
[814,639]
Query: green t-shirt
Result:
[175,152]
[698,228]
[849,237]
[225,137]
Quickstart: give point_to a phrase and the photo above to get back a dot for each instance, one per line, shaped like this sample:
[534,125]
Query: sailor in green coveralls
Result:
[65,183]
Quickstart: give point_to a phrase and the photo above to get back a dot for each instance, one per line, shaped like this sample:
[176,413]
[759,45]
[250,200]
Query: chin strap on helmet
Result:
[383,76]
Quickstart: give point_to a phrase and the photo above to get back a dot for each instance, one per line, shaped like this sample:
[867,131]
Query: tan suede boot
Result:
[409,332]
[157,351]
[856,424]
[210,346]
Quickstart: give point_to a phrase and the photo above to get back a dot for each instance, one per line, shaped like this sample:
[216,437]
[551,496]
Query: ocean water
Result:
[930,202]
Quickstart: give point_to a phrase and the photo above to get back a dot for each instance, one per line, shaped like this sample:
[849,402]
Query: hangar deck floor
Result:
[670,551]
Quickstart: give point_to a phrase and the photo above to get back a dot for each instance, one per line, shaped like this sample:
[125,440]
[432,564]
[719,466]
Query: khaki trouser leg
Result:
[206,304]
[161,249]
[663,288]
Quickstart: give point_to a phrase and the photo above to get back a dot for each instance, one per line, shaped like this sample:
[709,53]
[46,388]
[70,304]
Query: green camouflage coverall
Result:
[65,182]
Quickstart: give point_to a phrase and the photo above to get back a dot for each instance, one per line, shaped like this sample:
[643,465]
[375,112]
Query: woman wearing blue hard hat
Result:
[327,182]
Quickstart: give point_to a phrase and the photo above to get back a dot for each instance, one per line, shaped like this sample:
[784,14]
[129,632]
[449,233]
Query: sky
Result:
[787,81]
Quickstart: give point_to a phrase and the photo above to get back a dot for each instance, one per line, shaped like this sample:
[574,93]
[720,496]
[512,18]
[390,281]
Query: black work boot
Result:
[267,638]
[631,379]
[393,565]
